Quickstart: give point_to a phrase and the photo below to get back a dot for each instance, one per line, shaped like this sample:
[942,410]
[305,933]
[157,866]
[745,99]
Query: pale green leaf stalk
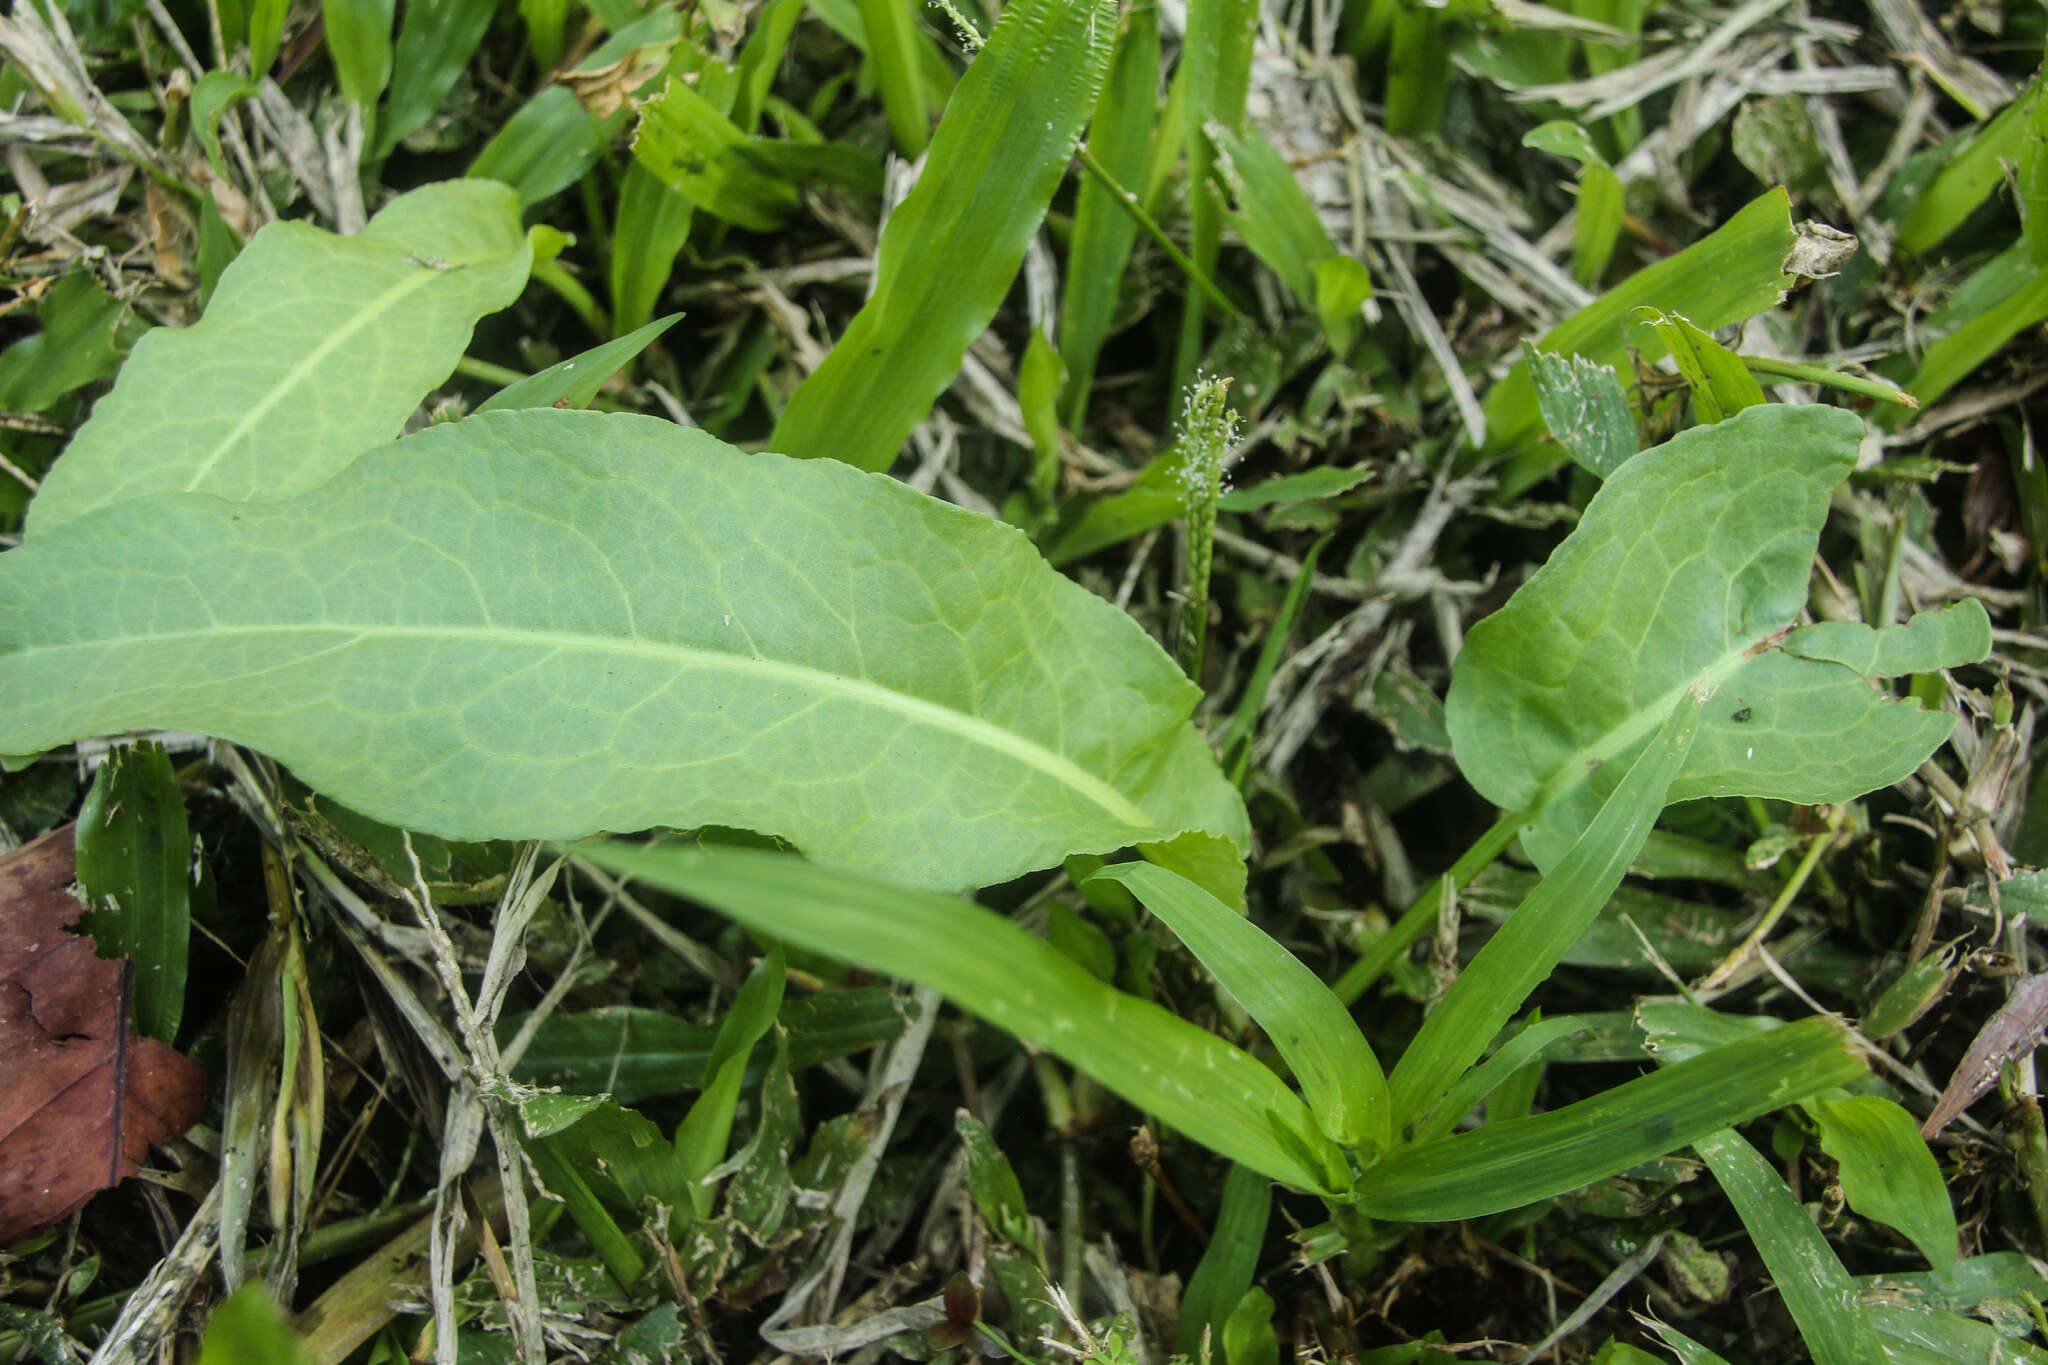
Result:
[1314,1034]
[1207,431]
[544,623]
[1818,1291]
[315,348]
[1192,1080]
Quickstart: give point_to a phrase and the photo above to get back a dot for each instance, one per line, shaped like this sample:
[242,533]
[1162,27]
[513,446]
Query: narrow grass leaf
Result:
[694,149]
[1526,1049]
[652,224]
[435,42]
[1228,1263]
[993,1183]
[1213,79]
[1735,272]
[358,34]
[1721,384]
[1915,1335]
[1887,1172]
[545,623]
[1583,404]
[1276,218]
[893,43]
[134,861]
[1119,138]
[1821,1296]
[1686,570]
[1950,360]
[1236,747]
[1324,481]
[706,1130]
[1536,937]
[952,248]
[1314,1034]
[315,348]
[1193,1080]
[574,382]
[543,149]
[1978,167]
[1516,1162]
[266,27]
[211,96]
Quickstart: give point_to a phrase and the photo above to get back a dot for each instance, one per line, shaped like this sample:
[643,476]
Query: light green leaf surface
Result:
[1818,1291]
[1932,640]
[1585,408]
[134,854]
[1515,1162]
[1733,273]
[693,148]
[1979,166]
[1687,567]
[358,34]
[574,382]
[1887,1171]
[1324,481]
[315,348]
[1278,221]
[999,153]
[1194,1081]
[1721,384]
[248,1329]
[1314,1034]
[546,623]
[435,42]
[1536,937]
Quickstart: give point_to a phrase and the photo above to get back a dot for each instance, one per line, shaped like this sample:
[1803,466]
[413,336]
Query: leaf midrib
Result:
[974,729]
[314,359]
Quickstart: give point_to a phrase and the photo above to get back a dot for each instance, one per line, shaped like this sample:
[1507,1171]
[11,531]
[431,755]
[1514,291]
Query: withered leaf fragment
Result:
[81,1098]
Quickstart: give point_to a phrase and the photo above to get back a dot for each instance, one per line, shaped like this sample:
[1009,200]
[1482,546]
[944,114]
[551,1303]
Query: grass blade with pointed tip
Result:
[435,42]
[693,148]
[706,1130]
[952,248]
[1339,1076]
[1688,567]
[1817,1290]
[1228,1263]
[302,362]
[134,856]
[574,382]
[545,623]
[1193,1080]
[1516,1162]
[1536,937]
[1978,167]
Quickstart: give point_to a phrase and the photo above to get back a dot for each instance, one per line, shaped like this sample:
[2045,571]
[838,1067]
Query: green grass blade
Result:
[1193,1080]
[1819,1293]
[1733,273]
[1236,747]
[1315,1035]
[1721,385]
[1228,1263]
[550,144]
[248,1327]
[1950,360]
[1689,565]
[1976,169]
[893,41]
[1887,1171]
[1120,139]
[1525,1049]
[1536,937]
[1214,78]
[952,248]
[134,857]
[302,362]
[574,382]
[693,148]
[1516,1162]
[706,1130]
[359,41]
[435,42]
[546,623]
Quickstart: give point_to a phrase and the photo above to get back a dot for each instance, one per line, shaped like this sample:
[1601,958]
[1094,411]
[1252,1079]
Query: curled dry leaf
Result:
[82,1099]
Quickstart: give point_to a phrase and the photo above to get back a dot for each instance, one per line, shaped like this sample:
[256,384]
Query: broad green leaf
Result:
[1887,1171]
[1733,273]
[1585,408]
[1978,167]
[84,333]
[266,26]
[1821,1296]
[951,249]
[1933,639]
[1119,137]
[1228,1262]
[1516,1162]
[1536,937]
[690,146]
[706,1130]
[1685,572]
[634,1054]
[624,1159]
[1314,1034]
[1721,384]
[315,349]
[1248,1336]
[1194,1081]
[652,225]
[574,382]
[134,859]
[248,1329]
[546,623]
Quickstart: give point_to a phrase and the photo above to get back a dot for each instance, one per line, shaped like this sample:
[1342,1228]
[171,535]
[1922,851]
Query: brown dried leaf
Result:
[2011,1033]
[82,1099]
